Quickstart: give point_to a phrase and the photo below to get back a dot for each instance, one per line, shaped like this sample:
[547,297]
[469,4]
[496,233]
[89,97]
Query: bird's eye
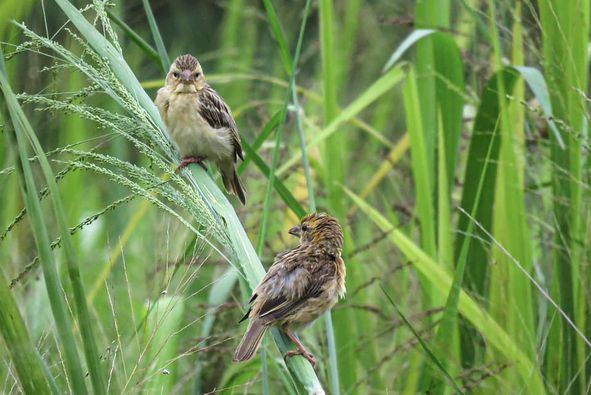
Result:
[175,75]
[304,228]
[196,75]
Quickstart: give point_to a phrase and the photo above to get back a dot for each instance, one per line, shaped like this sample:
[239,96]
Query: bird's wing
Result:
[218,115]
[265,283]
[162,102]
[298,279]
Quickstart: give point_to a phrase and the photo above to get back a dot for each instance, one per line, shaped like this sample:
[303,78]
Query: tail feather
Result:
[250,342]
[232,184]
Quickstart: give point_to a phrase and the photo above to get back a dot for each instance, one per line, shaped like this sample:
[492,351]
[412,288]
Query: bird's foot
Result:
[303,353]
[187,160]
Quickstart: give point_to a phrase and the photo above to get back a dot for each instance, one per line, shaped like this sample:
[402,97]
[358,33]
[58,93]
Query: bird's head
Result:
[185,75]
[319,229]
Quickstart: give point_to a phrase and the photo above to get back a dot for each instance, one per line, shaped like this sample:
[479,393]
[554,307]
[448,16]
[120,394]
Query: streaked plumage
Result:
[200,122]
[302,283]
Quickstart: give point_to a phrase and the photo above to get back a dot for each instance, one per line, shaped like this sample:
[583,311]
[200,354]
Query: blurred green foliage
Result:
[462,179]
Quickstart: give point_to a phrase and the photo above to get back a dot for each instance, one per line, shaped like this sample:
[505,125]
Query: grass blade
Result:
[421,165]
[220,291]
[441,282]
[424,345]
[253,271]
[84,319]
[405,45]
[281,189]
[163,55]
[28,366]
[54,288]
[288,64]
[372,93]
[121,69]
[242,250]
[449,71]
[136,38]
[482,165]
[162,325]
[565,31]
[275,25]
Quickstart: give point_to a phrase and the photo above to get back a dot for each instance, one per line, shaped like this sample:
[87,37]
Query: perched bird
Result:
[302,283]
[200,122]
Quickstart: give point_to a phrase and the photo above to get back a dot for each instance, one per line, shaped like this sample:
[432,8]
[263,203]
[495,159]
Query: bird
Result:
[200,122]
[299,287]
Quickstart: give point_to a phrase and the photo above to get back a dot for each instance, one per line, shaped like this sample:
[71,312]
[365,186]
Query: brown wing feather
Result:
[218,115]
[282,307]
[289,283]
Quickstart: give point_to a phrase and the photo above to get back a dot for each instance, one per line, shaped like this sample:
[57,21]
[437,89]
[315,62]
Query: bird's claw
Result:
[303,353]
[186,161]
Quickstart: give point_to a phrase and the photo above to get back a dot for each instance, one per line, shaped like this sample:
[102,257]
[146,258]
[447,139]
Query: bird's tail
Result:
[250,342]
[232,184]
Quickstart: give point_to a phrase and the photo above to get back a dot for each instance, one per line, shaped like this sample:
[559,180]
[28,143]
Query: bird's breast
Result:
[192,133]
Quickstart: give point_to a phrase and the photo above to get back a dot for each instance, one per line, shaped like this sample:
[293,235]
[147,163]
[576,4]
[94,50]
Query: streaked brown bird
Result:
[200,122]
[302,283]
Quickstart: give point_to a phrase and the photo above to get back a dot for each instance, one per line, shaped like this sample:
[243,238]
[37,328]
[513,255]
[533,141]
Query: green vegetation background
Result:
[450,137]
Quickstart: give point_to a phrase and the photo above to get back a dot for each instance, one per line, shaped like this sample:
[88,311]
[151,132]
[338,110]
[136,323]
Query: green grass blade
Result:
[288,64]
[268,192]
[510,225]
[270,126]
[162,326]
[243,252]
[121,69]
[372,93]
[405,45]
[26,362]
[442,282]
[281,189]
[565,27]
[136,38]
[84,319]
[483,157]
[536,82]
[162,53]
[449,72]
[446,335]
[482,165]
[220,291]
[275,25]
[334,152]
[449,85]
[253,270]
[429,14]
[424,345]
[421,165]
[37,220]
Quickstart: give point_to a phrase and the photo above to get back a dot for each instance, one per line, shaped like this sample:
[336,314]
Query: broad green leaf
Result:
[480,179]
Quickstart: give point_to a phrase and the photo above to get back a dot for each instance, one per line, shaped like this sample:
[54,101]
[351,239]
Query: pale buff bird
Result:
[200,122]
[300,286]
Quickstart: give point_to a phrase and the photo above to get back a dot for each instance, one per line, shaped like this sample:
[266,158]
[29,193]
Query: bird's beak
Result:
[186,76]
[295,231]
